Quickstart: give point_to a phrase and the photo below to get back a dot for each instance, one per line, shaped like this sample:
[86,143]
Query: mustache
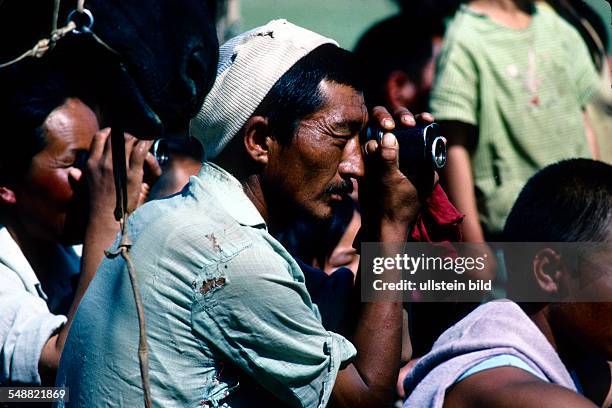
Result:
[343,188]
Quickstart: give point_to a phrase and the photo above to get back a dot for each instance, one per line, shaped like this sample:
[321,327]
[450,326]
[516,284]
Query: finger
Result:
[138,155]
[130,141]
[98,144]
[383,118]
[389,149]
[425,117]
[405,117]
[152,165]
[370,148]
[144,194]
[108,151]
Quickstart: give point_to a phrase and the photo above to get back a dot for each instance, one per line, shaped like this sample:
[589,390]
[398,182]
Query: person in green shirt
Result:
[513,80]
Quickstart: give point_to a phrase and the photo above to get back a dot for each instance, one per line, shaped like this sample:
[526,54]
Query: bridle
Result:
[80,22]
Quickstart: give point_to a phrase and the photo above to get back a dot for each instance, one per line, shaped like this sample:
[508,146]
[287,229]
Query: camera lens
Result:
[418,146]
[438,152]
[160,151]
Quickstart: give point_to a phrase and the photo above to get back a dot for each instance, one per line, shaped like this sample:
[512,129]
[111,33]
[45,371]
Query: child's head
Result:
[570,201]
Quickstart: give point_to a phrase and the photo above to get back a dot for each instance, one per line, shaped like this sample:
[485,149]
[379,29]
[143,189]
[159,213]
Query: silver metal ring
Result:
[438,152]
[83,28]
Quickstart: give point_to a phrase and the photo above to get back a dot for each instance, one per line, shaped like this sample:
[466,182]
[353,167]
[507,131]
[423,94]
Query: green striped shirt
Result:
[524,90]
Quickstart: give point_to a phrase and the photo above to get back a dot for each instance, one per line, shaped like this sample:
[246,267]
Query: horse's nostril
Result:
[195,70]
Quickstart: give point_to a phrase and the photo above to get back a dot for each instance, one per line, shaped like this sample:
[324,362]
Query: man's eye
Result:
[345,137]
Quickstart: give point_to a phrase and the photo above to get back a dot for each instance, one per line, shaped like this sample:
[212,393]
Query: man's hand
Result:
[101,225]
[388,198]
[100,173]
[390,203]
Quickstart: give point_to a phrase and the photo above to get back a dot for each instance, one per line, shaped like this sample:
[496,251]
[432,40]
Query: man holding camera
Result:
[227,310]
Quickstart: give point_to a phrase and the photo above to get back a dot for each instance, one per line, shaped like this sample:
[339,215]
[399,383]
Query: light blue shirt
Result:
[29,316]
[219,293]
[501,360]
[508,360]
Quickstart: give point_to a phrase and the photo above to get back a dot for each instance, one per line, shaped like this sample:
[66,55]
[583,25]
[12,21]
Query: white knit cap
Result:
[249,65]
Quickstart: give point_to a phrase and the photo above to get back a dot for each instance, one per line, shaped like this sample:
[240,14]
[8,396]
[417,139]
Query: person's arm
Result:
[26,323]
[506,387]
[590,136]
[586,79]
[101,227]
[457,176]
[458,183]
[389,203]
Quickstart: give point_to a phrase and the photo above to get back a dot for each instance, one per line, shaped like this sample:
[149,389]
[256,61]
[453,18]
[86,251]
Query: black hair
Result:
[570,201]
[29,95]
[297,94]
[397,43]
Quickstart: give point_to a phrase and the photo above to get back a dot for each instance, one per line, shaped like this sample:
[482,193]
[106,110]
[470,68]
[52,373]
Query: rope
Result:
[102,43]
[56,7]
[121,215]
[42,46]
[143,353]
[120,176]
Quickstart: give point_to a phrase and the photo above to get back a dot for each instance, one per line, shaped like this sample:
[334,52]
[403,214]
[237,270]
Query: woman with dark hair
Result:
[56,190]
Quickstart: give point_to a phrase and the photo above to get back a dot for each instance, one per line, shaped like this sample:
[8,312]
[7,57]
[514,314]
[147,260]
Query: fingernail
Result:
[408,119]
[388,123]
[389,140]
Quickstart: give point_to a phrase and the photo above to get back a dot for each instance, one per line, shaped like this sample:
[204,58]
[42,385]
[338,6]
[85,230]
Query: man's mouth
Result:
[336,192]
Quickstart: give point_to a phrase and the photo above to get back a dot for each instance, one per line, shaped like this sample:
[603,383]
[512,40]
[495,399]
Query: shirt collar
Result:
[229,194]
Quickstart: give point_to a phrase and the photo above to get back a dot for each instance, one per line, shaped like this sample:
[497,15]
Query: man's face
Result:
[588,325]
[312,173]
[47,197]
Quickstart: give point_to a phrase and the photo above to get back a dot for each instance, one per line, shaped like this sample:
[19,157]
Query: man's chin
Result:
[325,213]
[321,213]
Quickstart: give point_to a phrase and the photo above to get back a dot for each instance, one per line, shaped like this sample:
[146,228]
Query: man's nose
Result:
[352,164]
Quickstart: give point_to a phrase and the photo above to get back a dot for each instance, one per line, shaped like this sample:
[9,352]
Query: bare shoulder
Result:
[505,387]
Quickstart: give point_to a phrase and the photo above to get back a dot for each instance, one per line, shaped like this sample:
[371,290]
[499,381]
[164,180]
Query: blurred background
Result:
[343,20]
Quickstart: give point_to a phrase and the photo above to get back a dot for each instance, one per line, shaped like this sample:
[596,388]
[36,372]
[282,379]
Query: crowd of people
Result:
[245,236]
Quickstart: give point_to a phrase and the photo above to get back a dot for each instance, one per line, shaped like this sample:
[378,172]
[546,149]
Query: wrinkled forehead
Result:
[343,105]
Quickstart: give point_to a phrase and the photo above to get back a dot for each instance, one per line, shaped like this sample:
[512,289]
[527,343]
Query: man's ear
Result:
[399,89]
[257,139]
[548,272]
[7,196]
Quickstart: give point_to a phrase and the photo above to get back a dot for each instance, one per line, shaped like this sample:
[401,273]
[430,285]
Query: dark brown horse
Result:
[145,65]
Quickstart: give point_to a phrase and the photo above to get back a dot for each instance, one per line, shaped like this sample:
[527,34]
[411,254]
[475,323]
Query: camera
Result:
[418,146]
[160,151]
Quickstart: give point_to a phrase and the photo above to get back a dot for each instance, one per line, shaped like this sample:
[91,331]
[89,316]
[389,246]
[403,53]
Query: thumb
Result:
[389,150]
